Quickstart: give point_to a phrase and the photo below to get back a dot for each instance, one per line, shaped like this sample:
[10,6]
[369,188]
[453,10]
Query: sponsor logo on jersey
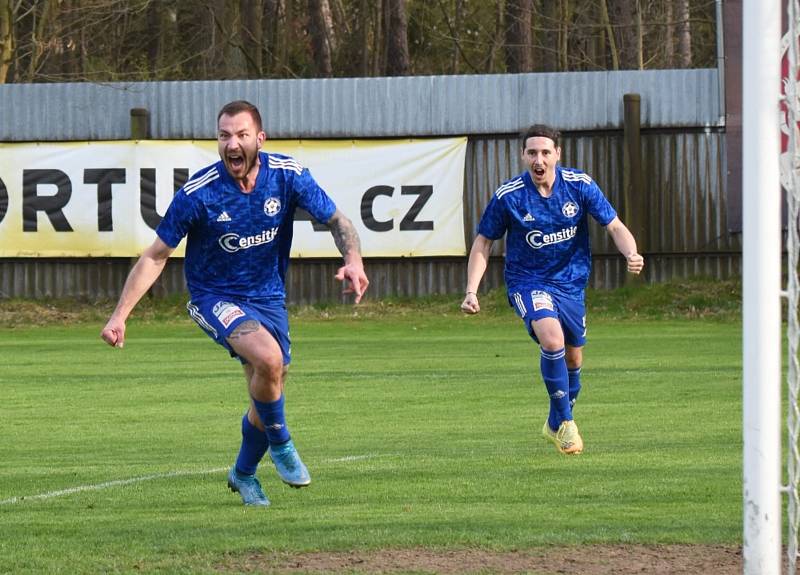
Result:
[232,243]
[227,312]
[224,217]
[541,300]
[528,218]
[538,239]
[272,206]
[569,209]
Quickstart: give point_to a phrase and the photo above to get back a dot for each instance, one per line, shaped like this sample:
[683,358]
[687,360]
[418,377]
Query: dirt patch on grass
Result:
[587,560]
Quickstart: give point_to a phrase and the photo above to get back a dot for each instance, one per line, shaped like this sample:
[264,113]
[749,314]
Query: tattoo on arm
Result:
[344,235]
[244,328]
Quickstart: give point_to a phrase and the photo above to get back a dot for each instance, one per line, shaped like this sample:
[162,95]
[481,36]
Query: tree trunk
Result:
[397,57]
[669,36]
[195,31]
[519,40]
[270,23]
[684,35]
[226,58]
[162,42]
[378,45]
[457,25]
[546,35]
[252,33]
[639,37]
[320,28]
[69,40]
[622,14]
[564,27]
[363,26]
[497,39]
[7,46]
[612,39]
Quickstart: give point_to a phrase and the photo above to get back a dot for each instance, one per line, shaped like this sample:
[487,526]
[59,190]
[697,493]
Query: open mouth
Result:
[538,172]
[236,161]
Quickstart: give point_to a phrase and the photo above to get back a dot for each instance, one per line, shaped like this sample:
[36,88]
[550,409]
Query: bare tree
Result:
[519,39]
[398,62]
[7,45]
[110,40]
[363,32]
[622,14]
[458,23]
[496,41]
[252,36]
[320,28]
[684,35]
[639,36]
[669,36]
[162,38]
[563,35]
[610,35]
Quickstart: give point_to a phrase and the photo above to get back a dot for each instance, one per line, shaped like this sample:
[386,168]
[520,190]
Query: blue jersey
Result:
[548,238]
[238,244]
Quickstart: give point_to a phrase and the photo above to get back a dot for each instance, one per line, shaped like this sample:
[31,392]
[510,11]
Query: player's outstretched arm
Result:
[478,261]
[142,276]
[626,244]
[346,239]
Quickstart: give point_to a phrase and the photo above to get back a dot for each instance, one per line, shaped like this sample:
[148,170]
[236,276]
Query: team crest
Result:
[272,206]
[569,209]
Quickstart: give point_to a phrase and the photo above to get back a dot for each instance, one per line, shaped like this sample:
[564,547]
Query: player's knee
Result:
[268,367]
[551,340]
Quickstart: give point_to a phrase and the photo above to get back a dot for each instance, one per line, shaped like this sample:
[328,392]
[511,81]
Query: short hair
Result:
[540,131]
[239,106]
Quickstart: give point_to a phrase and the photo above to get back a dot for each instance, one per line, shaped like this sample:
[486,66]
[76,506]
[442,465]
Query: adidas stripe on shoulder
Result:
[277,163]
[199,181]
[571,176]
[508,187]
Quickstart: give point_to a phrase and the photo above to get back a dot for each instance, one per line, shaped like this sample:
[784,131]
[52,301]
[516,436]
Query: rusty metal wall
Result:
[686,228]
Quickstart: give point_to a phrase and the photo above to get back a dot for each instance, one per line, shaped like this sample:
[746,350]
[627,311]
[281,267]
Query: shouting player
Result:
[544,212]
[237,215]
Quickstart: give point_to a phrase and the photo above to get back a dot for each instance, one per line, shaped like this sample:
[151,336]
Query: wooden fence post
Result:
[634,194]
[140,124]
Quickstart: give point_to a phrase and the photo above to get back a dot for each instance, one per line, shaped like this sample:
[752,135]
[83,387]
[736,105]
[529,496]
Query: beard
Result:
[240,167]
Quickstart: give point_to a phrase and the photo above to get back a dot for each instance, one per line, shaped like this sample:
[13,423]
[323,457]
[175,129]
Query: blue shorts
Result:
[535,304]
[218,316]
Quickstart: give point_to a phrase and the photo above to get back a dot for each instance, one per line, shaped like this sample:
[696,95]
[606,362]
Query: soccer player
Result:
[544,212]
[237,215]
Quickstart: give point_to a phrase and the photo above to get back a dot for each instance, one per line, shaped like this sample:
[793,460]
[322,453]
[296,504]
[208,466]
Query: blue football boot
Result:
[248,487]
[288,464]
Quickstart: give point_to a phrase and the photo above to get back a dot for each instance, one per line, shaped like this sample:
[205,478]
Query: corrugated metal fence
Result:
[683,144]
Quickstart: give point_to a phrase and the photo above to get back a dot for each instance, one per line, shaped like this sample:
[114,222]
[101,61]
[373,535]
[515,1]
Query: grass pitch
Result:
[420,429]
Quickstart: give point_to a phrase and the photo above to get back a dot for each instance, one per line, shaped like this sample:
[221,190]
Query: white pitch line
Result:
[107,484]
[348,458]
[132,480]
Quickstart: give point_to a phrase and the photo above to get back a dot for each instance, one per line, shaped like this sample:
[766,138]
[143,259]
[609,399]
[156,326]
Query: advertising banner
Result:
[105,199]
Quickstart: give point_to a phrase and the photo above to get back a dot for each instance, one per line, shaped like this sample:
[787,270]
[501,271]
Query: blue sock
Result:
[574,385]
[254,446]
[556,380]
[274,420]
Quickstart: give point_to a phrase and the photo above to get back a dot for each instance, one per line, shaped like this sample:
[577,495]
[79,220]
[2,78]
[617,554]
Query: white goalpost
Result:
[761,286]
[790,180]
